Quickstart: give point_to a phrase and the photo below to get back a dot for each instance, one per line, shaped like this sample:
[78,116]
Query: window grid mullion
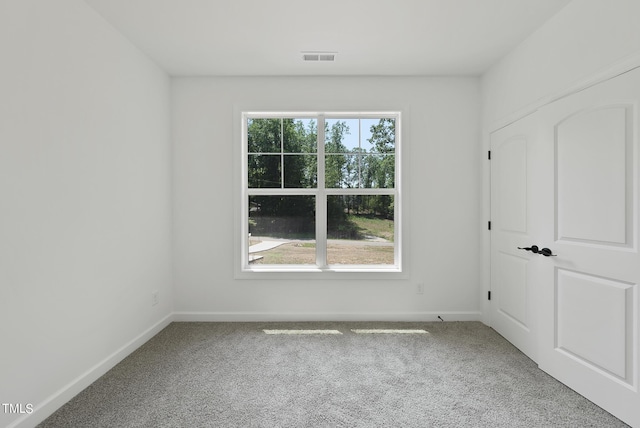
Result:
[282,153]
[321,199]
[359,155]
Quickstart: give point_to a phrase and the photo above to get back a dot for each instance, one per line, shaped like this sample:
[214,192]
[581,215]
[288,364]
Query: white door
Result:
[589,309]
[513,223]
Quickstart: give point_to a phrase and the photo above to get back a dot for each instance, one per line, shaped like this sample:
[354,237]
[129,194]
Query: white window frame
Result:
[321,269]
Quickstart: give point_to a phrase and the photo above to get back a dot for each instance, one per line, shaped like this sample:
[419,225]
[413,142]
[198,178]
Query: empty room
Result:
[285,213]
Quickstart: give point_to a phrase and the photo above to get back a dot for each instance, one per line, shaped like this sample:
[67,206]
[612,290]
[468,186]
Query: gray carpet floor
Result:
[461,374]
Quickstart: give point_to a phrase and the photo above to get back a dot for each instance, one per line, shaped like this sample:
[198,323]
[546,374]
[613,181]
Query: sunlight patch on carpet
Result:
[301,331]
[389,331]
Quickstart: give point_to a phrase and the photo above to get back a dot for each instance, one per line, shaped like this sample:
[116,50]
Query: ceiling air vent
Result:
[319,56]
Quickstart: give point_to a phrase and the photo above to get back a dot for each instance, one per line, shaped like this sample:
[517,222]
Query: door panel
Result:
[512,277]
[589,308]
[511,288]
[596,338]
[510,160]
[592,152]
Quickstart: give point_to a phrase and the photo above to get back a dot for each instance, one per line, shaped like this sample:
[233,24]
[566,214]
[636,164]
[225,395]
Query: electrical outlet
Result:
[420,288]
[155,297]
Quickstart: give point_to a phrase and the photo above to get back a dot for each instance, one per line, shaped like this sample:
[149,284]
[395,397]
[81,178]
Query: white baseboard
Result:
[43,410]
[306,316]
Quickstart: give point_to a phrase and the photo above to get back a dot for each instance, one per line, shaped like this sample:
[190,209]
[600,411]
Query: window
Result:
[320,192]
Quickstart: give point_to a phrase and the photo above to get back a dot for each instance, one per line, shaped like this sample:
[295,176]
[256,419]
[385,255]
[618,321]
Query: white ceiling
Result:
[372,37]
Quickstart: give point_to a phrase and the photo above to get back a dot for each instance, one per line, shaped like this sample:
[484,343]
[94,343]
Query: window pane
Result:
[282,230]
[378,171]
[300,171]
[370,135]
[360,153]
[341,135]
[300,135]
[264,135]
[264,171]
[360,230]
[341,171]
[379,135]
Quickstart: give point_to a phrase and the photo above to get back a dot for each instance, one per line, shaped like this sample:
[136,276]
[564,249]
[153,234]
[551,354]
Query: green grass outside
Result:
[374,226]
[358,226]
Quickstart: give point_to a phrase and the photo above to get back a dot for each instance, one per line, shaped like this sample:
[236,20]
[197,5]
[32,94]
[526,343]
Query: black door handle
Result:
[547,252]
[533,249]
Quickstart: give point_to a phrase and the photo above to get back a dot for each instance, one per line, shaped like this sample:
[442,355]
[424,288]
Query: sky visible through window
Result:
[358,135]
[351,139]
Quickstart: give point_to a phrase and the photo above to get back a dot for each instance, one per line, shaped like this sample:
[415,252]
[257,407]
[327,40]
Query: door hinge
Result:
[489,155]
[489,225]
[489,295]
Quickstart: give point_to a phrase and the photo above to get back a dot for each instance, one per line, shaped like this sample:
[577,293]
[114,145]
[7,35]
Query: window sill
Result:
[309,273]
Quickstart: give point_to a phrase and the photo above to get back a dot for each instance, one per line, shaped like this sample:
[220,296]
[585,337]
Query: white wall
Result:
[441,199]
[583,39]
[85,211]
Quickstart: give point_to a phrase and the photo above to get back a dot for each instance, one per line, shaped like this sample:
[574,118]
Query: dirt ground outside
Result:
[345,252]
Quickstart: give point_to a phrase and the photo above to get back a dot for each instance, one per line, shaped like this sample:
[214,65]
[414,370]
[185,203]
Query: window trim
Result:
[321,270]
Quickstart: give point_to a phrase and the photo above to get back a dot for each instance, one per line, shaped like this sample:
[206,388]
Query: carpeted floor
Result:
[235,375]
